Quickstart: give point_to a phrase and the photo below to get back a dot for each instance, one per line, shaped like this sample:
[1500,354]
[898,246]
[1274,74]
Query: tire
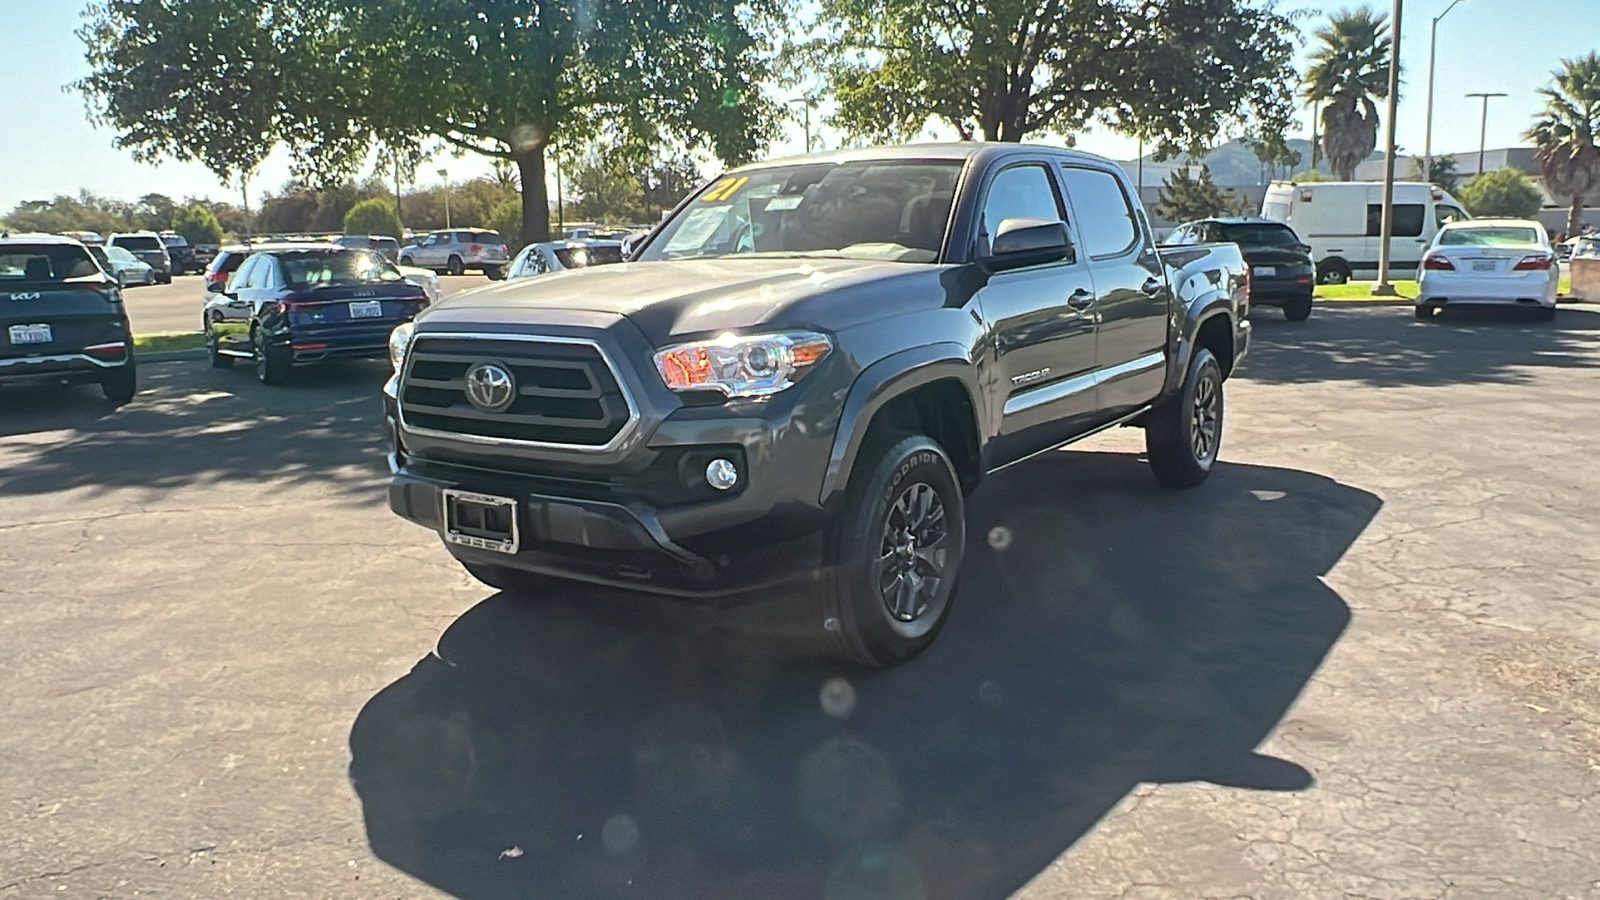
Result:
[1424,313]
[218,360]
[1545,314]
[165,279]
[885,598]
[525,585]
[273,364]
[493,273]
[1184,435]
[406,261]
[1333,271]
[1298,309]
[120,384]
[453,266]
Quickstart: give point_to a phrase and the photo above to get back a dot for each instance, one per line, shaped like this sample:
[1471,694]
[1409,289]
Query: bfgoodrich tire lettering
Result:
[1184,434]
[896,550]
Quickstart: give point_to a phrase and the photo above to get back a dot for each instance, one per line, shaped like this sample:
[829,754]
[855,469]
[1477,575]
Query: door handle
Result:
[1080,299]
[1151,286]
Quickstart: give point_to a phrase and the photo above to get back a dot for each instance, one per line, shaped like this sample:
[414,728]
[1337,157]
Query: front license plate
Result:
[1266,271]
[481,521]
[31,334]
[366,309]
[1484,265]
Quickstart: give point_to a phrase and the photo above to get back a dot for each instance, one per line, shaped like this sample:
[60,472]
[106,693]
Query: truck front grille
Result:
[566,392]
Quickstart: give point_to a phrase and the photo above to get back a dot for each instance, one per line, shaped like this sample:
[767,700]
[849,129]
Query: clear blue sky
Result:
[47,147]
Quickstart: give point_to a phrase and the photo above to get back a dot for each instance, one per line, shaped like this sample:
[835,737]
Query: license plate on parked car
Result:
[31,334]
[1484,265]
[366,309]
[482,521]
[1266,271]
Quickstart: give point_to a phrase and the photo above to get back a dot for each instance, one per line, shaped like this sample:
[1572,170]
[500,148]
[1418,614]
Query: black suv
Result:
[61,317]
[1281,272]
[181,254]
[302,304]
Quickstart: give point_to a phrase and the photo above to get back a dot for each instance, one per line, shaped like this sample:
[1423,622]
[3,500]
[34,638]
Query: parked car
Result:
[1342,221]
[300,304]
[1281,273]
[122,265]
[227,260]
[455,250]
[802,375]
[1489,261]
[558,256]
[388,246]
[61,317]
[149,248]
[427,279]
[182,255]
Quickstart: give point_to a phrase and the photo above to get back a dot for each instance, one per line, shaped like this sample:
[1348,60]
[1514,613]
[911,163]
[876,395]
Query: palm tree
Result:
[1564,134]
[1349,73]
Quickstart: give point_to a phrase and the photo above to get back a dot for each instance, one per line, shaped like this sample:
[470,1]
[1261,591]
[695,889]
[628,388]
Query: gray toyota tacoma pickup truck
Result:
[801,374]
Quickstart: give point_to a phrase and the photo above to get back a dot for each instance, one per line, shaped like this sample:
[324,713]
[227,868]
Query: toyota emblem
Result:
[490,387]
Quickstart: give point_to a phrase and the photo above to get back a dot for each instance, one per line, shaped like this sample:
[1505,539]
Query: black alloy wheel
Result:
[912,554]
[1184,434]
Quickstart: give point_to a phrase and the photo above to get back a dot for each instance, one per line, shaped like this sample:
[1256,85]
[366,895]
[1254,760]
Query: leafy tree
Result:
[1565,134]
[153,212]
[1273,152]
[1442,172]
[197,223]
[1349,73]
[1311,176]
[608,187]
[85,212]
[1502,192]
[1174,72]
[1184,197]
[374,215]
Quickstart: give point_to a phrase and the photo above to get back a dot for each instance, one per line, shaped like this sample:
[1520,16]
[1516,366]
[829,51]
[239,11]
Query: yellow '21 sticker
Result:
[723,190]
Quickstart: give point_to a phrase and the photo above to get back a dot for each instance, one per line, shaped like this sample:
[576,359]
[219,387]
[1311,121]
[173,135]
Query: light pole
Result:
[445,177]
[1483,125]
[1383,288]
[806,104]
[1427,129]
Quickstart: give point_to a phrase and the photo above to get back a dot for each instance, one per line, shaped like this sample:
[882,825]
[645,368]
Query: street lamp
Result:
[807,104]
[1427,131]
[1483,125]
[445,176]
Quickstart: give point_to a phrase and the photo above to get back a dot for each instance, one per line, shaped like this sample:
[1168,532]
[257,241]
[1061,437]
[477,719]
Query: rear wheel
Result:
[218,359]
[493,273]
[454,266]
[896,548]
[1298,309]
[120,384]
[272,363]
[1333,271]
[1184,435]
[1424,312]
[406,261]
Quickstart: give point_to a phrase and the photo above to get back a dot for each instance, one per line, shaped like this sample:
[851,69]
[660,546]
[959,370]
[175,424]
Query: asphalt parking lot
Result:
[175,307]
[1363,660]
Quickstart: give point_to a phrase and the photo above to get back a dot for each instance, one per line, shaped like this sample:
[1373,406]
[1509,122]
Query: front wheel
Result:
[120,384]
[1184,434]
[454,266]
[896,549]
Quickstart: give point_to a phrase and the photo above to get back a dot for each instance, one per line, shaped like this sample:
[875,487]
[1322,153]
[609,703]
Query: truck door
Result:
[1131,294]
[1041,324]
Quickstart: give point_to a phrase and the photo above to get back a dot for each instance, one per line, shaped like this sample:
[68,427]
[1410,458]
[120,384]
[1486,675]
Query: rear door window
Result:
[1106,221]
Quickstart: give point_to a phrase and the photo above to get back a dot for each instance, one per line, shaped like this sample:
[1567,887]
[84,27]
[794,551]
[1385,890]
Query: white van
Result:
[1341,220]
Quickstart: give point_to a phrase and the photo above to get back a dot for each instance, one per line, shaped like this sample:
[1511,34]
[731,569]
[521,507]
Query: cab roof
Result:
[977,151]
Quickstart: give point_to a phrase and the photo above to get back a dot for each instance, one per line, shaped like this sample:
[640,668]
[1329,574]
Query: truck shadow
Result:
[1106,633]
[1383,346]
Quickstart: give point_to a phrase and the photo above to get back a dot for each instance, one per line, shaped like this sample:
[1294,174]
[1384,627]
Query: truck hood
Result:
[677,299]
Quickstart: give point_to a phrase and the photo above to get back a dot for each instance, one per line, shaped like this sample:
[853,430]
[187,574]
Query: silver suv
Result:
[455,250]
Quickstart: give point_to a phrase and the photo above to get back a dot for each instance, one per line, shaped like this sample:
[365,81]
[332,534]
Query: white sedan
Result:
[558,256]
[1506,262]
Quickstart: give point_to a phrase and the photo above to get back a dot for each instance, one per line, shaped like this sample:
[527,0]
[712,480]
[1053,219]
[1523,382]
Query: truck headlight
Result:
[742,365]
[399,340]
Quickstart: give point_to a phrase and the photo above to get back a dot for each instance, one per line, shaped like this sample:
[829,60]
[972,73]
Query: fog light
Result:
[721,474]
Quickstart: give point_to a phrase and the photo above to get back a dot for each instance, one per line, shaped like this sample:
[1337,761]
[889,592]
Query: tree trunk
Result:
[535,199]
[1575,216]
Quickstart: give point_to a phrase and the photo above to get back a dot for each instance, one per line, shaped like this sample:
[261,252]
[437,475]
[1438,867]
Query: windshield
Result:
[303,268]
[877,209]
[174,240]
[1260,235]
[35,263]
[1490,236]
[139,242]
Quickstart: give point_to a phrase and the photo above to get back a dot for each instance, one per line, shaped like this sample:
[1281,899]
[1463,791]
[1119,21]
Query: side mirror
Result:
[1028,242]
[1303,248]
[216,287]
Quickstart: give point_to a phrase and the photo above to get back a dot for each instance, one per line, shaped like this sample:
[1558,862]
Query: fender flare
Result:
[882,382]
[1206,307]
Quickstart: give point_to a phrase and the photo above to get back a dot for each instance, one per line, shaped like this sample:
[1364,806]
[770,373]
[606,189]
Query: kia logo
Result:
[490,387]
